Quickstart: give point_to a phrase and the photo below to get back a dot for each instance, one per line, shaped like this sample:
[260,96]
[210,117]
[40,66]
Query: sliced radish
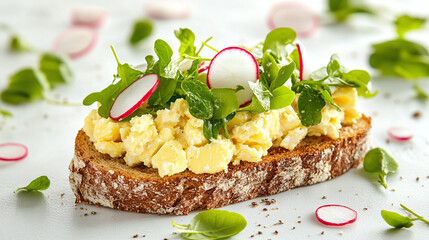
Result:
[76,41]
[294,15]
[400,133]
[203,69]
[13,151]
[133,96]
[89,16]
[167,10]
[336,215]
[231,67]
[301,63]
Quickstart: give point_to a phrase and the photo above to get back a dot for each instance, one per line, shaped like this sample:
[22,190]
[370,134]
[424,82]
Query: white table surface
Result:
[49,130]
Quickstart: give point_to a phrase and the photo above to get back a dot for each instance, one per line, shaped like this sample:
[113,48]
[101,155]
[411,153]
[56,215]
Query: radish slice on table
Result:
[294,15]
[167,10]
[400,133]
[133,96]
[336,215]
[231,67]
[301,63]
[89,16]
[13,151]
[76,41]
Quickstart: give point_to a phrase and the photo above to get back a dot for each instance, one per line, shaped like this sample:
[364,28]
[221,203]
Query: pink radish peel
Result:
[301,63]
[400,133]
[13,151]
[89,16]
[76,41]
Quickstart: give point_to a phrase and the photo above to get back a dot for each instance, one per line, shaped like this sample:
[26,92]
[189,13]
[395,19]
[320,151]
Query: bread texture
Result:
[99,179]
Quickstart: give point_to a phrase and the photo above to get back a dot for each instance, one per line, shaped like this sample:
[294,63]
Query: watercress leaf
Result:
[18,44]
[270,66]
[282,97]
[261,93]
[334,66]
[225,102]
[199,98]
[421,94]
[343,9]
[407,23]
[283,75]
[359,79]
[378,161]
[326,95]
[38,184]
[5,113]
[141,30]
[187,40]
[163,92]
[319,74]
[254,106]
[396,220]
[150,62]
[278,39]
[164,53]
[55,68]
[24,86]
[239,88]
[310,104]
[213,224]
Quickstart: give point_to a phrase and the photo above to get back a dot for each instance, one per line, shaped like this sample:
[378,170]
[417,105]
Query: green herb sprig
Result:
[378,161]
[142,29]
[212,224]
[403,58]
[39,184]
[397,220]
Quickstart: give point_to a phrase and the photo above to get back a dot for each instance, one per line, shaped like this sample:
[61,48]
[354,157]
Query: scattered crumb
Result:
[293,228]
[81,208]
[299,216]
[62,195]
[299,221]
[273,201]
[259,232]
[417,114]
[427,176]
[136,236]
[93,212]
[387,141]
[252,236]
[417,179]
[324,197]
[341,233]
[392,189]
[143,235]
[265,226]
[265,209]
[365,209]
[174,233]
[403,178]
[323,232]
[254,204]
[387,95]
[276,232]
[267,215]
[278,223]
[165,238]
[276,208]
[259,225]
[340,190]
[86,214]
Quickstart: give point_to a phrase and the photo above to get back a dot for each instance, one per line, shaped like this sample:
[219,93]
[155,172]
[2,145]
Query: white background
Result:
[49,130]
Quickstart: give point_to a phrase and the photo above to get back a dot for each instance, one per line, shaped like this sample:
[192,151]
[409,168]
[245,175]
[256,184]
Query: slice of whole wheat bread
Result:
[98,179]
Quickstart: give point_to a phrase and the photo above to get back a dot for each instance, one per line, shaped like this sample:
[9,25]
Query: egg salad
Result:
[173,141]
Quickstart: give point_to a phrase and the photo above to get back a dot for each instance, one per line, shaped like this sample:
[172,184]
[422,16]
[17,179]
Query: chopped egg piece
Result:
[170,159]
[211,158]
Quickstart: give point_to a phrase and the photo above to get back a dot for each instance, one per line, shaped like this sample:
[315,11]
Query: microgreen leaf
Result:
[199,98]
[187,40]
[262,94]
[212,127]
[18,44]
[225,102]
[343,9]
[141,30]
[310,104]
[212,224]
[396,220]
[277,40]
[407,23]
[421,94]
[38,184]
[55,68]
[5,113]
[282,97]
[24,86]
[415,214]
[378,161]
[283,75]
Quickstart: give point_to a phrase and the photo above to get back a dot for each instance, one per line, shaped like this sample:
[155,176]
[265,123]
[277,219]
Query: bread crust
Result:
[96,178]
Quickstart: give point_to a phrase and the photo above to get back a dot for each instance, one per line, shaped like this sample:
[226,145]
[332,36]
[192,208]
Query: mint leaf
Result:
[141,30]
[187,41]
[24,86]
[406,23]
[55,69]
[38,184]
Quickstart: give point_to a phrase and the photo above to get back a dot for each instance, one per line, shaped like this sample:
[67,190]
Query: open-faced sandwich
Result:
[173,136]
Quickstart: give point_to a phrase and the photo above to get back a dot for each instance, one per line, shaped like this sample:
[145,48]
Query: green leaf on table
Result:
[141,30]
[5,113]
[26,85]
[406,23]
[18,44]
[421,94]
[55,68]
[343,9]
[378,161]
[38,184]
[187,41]
[126,75]
[199,98]
[277,40]
[396,220]
[212,224]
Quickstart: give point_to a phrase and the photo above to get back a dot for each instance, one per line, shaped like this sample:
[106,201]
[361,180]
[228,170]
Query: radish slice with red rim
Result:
[89,16]
[336,215]
[133,96]
[400,133]
[301,63]
[295,15]
[76,41]
[167,10]
[13,151]
[231,67]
